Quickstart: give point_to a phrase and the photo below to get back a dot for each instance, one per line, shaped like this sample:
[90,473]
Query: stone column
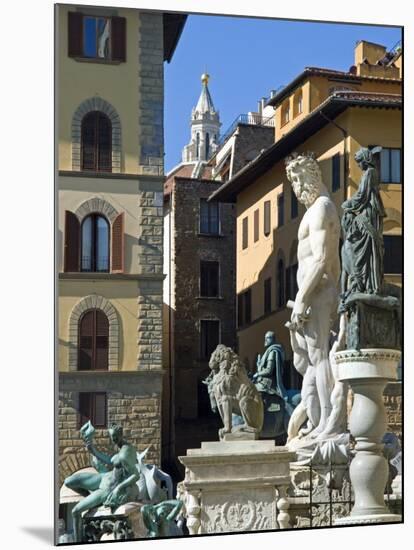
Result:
[368,371]
[283,518]
[193,513]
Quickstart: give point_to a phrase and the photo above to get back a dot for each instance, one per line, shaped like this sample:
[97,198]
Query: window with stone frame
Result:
[93,407]
[93,341]
[96,38]
[95,244]
[209,337]
[96,142]
[209,217]
[209,279]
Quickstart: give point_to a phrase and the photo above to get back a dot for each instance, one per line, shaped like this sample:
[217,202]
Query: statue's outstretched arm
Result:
[102,457]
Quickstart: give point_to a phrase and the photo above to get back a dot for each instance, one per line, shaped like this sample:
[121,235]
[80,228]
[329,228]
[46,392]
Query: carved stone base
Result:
[369,519]
[236,486]
[124,524]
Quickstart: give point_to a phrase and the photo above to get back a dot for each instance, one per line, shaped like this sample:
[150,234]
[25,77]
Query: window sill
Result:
[97,60]
[209,298]
[217,235]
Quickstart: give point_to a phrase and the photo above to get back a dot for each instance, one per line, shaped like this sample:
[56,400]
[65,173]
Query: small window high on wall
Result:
[93,407]
[96,37]
[96,142]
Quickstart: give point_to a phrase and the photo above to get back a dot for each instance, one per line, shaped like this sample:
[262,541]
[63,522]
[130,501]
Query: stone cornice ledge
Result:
[87,276]
[247,482]
[111,175]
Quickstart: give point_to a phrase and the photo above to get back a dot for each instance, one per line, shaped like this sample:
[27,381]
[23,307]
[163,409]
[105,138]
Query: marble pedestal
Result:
[236,486]
[368,371]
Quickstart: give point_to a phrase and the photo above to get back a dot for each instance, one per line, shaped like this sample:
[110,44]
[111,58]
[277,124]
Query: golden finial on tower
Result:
[204,78]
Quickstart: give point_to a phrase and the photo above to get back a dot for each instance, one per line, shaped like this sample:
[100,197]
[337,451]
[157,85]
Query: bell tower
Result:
[205,127]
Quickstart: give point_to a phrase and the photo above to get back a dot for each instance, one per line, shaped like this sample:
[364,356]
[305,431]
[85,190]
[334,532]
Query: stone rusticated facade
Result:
[133,400]
[151,94]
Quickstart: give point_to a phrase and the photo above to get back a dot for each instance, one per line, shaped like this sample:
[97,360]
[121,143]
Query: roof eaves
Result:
[332,106]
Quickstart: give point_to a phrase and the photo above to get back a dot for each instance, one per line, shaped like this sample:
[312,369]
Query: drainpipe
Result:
[345,134]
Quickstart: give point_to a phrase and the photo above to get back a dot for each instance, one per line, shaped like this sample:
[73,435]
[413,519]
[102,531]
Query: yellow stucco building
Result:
[109,241]
[333,114]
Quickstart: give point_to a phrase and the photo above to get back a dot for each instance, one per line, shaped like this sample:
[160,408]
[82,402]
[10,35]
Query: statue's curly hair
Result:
[305,161]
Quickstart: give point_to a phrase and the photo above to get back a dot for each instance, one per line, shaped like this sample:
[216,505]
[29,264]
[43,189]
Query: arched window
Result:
[280,282]
[95,244]
[96,142]
[93,340]
[207,145]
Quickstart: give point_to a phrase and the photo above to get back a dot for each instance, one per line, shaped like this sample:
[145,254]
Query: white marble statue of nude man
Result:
[318,290]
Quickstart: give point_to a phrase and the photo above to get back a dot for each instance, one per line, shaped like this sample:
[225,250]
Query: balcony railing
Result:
[253,119]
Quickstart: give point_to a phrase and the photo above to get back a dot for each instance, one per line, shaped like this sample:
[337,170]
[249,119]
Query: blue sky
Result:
[246,58]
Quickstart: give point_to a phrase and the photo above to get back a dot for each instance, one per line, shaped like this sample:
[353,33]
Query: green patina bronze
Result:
[159,519]
[115,482]
[371,306]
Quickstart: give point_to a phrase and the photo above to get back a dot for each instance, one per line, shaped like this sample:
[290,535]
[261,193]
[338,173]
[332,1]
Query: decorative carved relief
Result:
[237,516]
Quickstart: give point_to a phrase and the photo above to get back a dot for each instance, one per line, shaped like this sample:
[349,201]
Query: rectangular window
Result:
[240,313]
[266,218]
[93,407]
[390,165]
[336,172]
[245,232]
[268,295]
[300,104]
[256,225]
[209,279]
[248,306]
[209,337]
[244,308]
[280,210]
[209,217]
[393,254]
[293,205]
[96,37]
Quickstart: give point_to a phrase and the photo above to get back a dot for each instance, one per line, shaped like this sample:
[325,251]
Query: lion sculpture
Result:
[232,393]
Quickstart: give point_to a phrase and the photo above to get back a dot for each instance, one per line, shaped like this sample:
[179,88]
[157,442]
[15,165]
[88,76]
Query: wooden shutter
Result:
[118,34]
[118,244]
[101,340]
[72,241]
[75,31]
[86,341]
